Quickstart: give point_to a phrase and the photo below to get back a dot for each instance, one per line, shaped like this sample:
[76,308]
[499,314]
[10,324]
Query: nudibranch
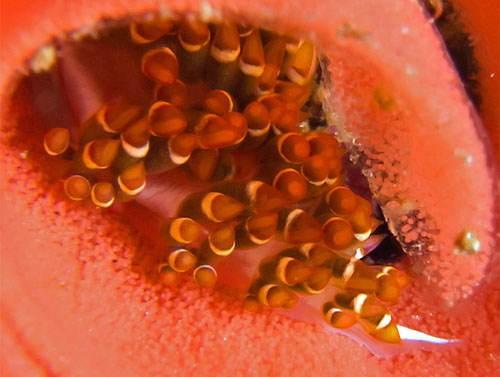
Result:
[232,119]
[221,131]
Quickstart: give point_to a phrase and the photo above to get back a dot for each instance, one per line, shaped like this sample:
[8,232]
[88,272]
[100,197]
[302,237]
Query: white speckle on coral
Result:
[464,156]
[410,70]
[90,30]
[44,58]
[405,29]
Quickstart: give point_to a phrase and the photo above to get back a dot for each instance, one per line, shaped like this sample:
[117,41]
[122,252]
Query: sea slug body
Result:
[221,99]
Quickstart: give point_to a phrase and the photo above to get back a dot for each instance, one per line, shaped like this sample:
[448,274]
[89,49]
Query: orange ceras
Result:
[81,269]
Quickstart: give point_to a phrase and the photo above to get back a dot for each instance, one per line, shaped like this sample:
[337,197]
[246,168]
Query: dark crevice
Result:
[389,251]
[460,46]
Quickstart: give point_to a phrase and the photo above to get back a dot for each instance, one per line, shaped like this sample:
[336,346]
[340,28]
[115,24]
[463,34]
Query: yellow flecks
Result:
[467,243]
[383,98]
[407,206]
[44,58]
[348,30]
[320,94]
[464,157]
[89,30]
[410,70]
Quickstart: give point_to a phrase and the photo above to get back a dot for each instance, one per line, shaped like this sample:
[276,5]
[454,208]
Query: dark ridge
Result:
[460,47]
[389,251]
[317,116]
[356,180]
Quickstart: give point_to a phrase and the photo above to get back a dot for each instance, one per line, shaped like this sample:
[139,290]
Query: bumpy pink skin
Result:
[71,306]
